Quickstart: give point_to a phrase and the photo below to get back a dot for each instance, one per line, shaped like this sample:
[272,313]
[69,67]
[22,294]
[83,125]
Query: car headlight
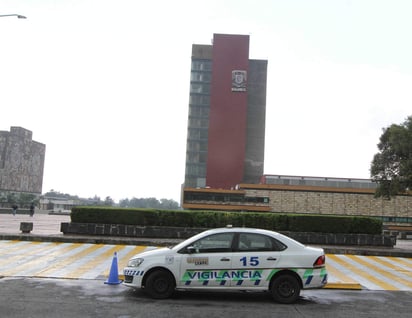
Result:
[135,262]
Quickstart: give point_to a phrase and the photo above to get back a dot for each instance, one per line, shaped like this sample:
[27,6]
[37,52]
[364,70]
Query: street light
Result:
[19,16]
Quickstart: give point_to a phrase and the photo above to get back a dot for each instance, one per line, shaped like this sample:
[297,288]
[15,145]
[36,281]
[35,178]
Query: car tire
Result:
[160,284]
[285,289]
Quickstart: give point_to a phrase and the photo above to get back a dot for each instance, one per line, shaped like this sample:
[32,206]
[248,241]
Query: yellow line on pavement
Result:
[17,246]
[69,260]
[344,281]
[355,286]
[41,259]
[15,258]
[392,263]
[370,276]
[92,263]
[382,271]
[362,273]
[400,260]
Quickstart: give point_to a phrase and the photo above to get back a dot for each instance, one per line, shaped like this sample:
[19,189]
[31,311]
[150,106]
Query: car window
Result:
[214,243]
[258,242]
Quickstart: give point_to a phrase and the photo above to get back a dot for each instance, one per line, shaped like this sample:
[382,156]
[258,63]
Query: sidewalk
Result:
[43,223]
[46,228]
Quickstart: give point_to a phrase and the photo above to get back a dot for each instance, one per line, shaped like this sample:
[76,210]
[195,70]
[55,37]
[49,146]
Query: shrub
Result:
[212,219]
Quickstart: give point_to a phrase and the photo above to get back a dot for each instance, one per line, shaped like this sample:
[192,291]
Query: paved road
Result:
[93,261]
[48,259]
[39,298]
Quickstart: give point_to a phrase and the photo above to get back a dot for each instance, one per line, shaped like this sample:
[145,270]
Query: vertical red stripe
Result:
[228,113]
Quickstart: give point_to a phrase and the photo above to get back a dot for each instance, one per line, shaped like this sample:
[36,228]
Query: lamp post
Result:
[19,16]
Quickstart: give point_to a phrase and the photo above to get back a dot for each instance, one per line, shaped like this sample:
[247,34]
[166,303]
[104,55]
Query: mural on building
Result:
[21,162]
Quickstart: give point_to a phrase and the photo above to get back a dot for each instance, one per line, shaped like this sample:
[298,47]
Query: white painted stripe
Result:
[92,261]
[8,244]
[376,275]
[405,263]
[62,272]
[394,269]
[104,265]
[53,256]
[357,278]
[38,264]
[25,253]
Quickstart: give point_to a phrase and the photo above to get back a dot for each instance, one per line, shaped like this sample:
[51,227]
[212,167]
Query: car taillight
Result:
[320,261]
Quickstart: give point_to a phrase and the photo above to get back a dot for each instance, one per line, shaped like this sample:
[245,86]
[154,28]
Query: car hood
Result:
[154,252]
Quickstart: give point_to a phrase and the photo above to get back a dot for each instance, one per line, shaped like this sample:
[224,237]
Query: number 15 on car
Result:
[250,261]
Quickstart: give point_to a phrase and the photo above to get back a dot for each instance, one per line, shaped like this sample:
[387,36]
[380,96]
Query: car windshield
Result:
[185,242]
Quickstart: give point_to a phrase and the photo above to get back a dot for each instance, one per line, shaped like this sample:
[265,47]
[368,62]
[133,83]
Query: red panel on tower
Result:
[228,111]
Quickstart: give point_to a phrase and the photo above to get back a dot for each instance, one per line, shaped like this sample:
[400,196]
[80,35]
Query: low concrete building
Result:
[57,205]
[21,162]
[311,195]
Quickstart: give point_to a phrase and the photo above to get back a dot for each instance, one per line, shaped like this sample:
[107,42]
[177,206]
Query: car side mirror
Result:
[191,250]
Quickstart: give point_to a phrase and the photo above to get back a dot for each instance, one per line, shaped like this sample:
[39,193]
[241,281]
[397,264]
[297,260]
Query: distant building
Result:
[227,107]
[307,195]
[225,148]
[21,162]
[57,205]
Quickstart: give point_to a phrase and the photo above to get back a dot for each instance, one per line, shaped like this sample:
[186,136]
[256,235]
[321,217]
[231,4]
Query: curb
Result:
[339,285]
[121,240]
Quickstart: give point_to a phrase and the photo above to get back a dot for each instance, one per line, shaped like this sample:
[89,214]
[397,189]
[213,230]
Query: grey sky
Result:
[105,84]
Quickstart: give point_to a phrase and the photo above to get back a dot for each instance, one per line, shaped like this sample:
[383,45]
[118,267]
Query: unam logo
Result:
[239,79]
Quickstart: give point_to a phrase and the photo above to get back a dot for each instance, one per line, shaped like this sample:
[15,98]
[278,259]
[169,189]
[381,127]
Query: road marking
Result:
[66,264]
[377,274]
[93,261]
[370,274]
[395,272]
[29,264]
[338,277]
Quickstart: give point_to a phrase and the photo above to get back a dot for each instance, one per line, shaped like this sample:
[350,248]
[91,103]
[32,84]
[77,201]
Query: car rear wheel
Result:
[285,289]
[160,284]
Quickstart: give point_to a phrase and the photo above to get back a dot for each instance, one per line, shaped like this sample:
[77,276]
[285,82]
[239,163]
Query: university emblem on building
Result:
[239,81]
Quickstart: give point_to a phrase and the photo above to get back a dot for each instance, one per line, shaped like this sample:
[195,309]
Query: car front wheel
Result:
[160,284]
[285,289]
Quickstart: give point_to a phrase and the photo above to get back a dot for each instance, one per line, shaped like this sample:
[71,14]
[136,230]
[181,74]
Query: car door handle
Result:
[271,258]
[225,259]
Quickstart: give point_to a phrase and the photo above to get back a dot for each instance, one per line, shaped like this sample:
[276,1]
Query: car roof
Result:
[285,239]
[240,229]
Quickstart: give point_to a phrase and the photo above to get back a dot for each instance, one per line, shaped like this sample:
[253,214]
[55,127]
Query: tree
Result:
[391,167]
[169,204]
[151,203]
[108,201]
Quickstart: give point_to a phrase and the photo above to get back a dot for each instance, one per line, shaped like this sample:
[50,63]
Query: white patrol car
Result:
[230,259]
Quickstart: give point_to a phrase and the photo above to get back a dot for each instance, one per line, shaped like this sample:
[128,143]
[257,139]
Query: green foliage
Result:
[213,219]
[23,200]
[147,203]
[334,224]
[153,203]
[391,168]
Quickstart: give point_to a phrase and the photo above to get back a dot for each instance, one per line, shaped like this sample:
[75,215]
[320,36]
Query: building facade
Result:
[307,195]
[21,162]
[227,107]
[225,148]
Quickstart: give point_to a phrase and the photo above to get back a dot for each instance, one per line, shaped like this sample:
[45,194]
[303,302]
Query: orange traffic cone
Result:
[114,274]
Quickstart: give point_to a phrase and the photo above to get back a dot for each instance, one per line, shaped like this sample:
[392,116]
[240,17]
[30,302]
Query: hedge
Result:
[213,219]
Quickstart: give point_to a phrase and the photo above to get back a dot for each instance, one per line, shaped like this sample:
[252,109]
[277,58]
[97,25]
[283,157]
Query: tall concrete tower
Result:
[226,125]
